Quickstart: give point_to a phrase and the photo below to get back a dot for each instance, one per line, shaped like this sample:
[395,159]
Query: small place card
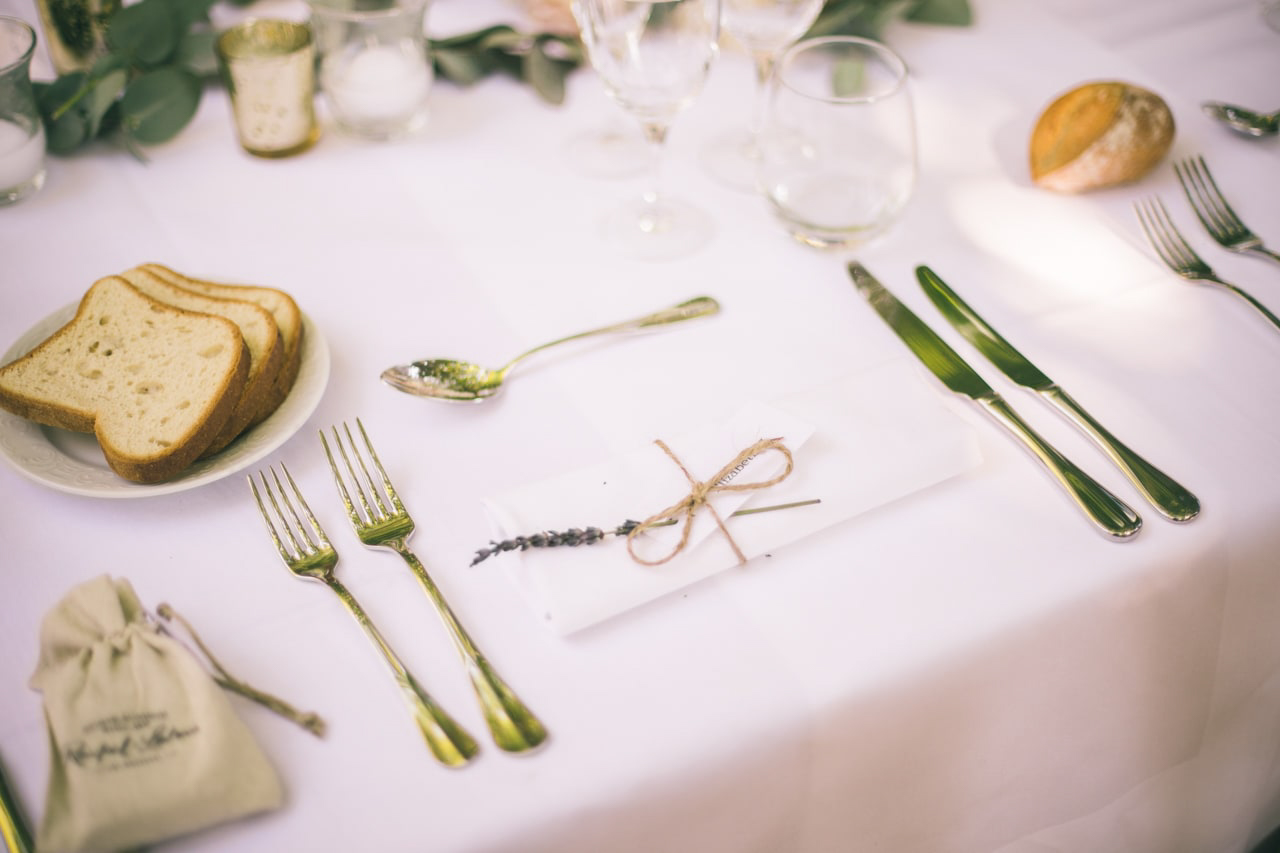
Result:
[879,435]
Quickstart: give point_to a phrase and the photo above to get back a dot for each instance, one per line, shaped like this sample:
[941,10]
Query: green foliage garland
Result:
[160,54]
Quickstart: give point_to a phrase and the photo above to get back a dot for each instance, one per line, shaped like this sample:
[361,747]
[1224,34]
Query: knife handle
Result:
[1112,515]
[1165,494]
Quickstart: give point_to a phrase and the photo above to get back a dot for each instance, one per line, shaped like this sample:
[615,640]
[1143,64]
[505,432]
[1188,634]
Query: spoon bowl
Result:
[446,379]
[1242,119]
[464,381]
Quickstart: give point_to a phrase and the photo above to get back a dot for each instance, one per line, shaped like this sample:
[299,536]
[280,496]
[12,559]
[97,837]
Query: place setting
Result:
[760,389]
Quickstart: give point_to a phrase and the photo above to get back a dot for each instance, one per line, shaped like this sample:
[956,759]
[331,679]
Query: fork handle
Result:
[1167,495]
[1264,252]
[448,741]
[1258,306]
[513,726]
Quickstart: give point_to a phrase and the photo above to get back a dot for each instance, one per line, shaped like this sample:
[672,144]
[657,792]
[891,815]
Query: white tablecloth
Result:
[970,668]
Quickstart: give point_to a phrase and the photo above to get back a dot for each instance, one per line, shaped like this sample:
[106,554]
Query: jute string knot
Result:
[699,493]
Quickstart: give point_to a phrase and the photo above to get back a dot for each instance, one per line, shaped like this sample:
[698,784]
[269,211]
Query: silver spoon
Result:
[1244,120]
[448,379]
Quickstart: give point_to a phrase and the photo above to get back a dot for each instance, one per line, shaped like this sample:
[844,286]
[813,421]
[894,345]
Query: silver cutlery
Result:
[1242,119]
[451,379]
[1110,514]
[1213,211]
[14,831]
[1165,494]
[381,521]
[1178,255]
[309,555]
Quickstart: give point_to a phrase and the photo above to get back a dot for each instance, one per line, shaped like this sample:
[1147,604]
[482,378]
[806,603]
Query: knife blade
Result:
[1168,496]
[1110,514]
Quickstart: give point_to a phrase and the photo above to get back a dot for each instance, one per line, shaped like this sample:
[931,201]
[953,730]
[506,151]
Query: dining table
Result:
[942,656]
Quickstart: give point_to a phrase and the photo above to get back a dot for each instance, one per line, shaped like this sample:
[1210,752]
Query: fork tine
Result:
[320,541]
[382,472]
[1225,209]
[1146,218]
[1207,200]
[383,512]
[353,512]
[266,516]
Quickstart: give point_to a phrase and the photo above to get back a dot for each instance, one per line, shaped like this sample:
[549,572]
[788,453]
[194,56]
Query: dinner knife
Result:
[1111,515]
[1168,496]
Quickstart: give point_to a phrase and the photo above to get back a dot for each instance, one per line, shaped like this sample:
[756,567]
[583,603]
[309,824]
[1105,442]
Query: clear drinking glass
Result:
[653,57]
[763,28]
[22,143]
[838,142]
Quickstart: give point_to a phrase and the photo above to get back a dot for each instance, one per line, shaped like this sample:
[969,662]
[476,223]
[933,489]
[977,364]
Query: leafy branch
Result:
[160,55]
[869,17]
[148,84]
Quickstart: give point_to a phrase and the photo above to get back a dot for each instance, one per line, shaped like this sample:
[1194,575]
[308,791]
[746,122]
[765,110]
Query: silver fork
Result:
[1180,257]
[1213,211]
[383,522]
[309,555]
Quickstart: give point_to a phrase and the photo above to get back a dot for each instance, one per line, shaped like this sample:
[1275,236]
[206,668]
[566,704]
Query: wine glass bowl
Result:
[763,28]
[838,142]
[653,58]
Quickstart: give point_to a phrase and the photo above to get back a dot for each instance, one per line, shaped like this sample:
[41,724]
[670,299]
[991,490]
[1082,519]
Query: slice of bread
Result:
[154,384]
[257,326]
[281,305]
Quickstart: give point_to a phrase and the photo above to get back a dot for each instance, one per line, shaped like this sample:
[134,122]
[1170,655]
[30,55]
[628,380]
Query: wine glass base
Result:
[608,151]
[732,159]
[657,230]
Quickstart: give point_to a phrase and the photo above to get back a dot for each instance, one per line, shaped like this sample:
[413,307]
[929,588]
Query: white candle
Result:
[21,155]
[379,83]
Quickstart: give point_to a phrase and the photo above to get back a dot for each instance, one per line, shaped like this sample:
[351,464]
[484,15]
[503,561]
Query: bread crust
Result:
[282,307]
[104,409]
[266,352]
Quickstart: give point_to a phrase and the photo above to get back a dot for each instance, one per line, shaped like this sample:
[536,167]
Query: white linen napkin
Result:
[876,436]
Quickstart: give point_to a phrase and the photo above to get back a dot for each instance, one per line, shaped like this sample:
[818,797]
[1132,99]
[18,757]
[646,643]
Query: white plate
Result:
[73,462]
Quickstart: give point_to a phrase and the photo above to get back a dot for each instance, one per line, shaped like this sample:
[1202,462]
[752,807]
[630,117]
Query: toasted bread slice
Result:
[257,326]
[153,383]
[281,305]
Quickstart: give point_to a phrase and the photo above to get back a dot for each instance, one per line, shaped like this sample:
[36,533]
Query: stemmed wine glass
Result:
[763,28]
[653,57]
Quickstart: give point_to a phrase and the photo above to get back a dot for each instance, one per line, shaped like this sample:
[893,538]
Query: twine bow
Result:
[700,492]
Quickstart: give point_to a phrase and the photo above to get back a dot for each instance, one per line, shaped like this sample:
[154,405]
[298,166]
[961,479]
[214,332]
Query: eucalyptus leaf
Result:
[195,53]
[67,133]
[848,78]
[159,104]
[545,74]
[147,31]
[505,39]
[102,96]
[459,66]
[955,13]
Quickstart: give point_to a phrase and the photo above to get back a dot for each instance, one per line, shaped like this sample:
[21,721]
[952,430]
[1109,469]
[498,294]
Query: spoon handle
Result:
[702,306]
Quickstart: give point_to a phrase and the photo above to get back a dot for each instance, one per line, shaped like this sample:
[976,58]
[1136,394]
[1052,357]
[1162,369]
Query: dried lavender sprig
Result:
[591,535]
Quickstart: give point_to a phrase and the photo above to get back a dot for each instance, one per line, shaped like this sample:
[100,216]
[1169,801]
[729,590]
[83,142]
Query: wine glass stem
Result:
[655,135]
[764,60]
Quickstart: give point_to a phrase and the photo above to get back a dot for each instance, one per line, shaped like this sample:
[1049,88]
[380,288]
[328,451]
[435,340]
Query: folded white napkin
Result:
[879,435]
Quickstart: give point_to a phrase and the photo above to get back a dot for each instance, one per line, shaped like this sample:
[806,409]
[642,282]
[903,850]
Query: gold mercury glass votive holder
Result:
[269,70]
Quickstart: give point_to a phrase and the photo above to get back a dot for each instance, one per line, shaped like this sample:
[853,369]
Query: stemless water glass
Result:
[763,28]
[653,57]
[838,142]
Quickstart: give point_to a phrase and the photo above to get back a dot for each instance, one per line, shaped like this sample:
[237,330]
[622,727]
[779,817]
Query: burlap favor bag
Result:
[145,746]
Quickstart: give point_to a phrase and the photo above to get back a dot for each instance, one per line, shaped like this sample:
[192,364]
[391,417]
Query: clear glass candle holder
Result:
[22,142]
[375,72]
